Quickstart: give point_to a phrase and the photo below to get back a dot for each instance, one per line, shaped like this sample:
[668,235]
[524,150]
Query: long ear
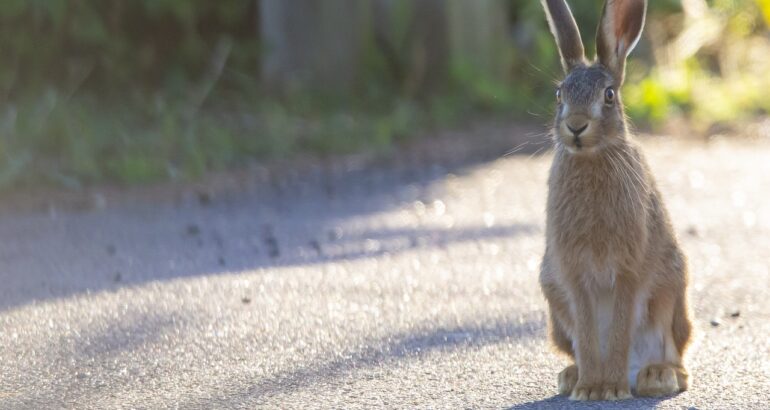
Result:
[566,32]
[619,30]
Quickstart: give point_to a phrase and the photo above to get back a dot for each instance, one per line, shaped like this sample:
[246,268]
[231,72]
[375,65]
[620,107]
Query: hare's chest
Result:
[589,219]
[593,222]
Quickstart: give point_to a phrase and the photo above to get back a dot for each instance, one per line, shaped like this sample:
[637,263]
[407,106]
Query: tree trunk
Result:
[428,43]
[318,45]
[478,35]
[313,44]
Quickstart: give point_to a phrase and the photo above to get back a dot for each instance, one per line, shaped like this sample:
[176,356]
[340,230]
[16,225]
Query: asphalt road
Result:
[411,287]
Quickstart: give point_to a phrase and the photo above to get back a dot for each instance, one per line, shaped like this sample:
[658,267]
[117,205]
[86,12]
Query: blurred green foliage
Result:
[701,62]
[128,91]
[116,45]
[105,90]
[708,64]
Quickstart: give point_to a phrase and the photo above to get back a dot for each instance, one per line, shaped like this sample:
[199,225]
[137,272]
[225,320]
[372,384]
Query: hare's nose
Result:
[576,131]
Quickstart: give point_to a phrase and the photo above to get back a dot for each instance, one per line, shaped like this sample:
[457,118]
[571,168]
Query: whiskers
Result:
[539,150]
[626,163]
[537,139]
[516,149]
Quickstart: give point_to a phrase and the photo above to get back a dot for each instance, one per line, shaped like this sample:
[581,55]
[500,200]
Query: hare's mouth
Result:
[577,142]
[577,132]
[580,144]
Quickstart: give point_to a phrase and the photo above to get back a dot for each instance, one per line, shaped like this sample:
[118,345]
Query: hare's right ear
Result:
[566,32]
[619,30]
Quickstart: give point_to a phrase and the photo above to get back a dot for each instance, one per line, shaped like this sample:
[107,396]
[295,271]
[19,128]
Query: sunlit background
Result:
[308,203]
[118,91]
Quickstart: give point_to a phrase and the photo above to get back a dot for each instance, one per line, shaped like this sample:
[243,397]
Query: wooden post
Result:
[478,37]
[412,35]
[318,45]
[313,44]
[426,42]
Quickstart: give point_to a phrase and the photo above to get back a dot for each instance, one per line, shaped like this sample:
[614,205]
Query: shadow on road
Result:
[107,346]
[398,347]
[305,218]
[562,402]
[157,252]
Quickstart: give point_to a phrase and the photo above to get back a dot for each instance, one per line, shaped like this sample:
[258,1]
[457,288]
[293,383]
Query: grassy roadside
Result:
[116,106]
[78,139]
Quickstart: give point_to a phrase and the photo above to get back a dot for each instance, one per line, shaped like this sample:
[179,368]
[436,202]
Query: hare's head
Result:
[589,112]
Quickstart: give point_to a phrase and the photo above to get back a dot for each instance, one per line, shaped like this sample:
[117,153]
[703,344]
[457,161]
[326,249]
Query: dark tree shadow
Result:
[563,402]
[106,345]
[395,348]
[299,220]
[64,261]
[292,220]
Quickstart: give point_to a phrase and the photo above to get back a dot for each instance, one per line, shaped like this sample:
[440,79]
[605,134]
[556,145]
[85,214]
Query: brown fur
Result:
[608,234]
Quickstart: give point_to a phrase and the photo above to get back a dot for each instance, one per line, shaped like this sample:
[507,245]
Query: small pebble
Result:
[99,201]
[270,241]
[335,234]
[204,198]
[193,230]
[692,231]
[417,241]
[272,247]
[246,300]
[715,323]
[735,314]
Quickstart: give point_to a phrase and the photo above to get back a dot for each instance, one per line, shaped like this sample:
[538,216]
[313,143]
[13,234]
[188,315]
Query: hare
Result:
[613,274]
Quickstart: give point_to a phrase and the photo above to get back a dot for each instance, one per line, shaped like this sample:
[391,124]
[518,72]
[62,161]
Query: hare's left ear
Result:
[619,30]
[566,33]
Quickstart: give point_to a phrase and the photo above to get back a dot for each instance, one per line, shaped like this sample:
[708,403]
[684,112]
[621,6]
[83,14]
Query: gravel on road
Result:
[411,287]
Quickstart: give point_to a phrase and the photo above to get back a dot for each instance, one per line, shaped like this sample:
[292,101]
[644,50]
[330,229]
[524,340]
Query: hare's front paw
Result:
[601,391]
[658,380]
[568,379]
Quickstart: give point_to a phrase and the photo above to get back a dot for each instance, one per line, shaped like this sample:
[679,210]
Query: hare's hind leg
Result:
[681,325]
[662,379]
[669,376]
[568,378]
[559,326]
[559,319]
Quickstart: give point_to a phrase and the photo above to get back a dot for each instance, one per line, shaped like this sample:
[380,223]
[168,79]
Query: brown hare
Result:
[613,273]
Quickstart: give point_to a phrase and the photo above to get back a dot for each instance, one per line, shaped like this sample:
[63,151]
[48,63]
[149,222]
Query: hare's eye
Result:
[558,95]
[609,95]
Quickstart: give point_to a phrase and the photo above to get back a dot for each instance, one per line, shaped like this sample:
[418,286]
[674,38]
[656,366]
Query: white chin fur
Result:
[574,150]
[571,149]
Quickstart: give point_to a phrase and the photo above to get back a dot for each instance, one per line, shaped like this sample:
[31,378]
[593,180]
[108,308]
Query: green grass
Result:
[81,138]
[77,141]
